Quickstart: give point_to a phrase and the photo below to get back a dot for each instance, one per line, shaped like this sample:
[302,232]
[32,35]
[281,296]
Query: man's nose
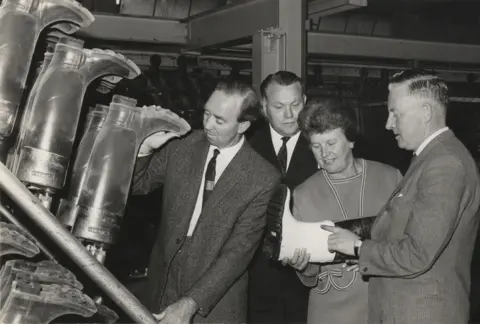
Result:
[389,124]
[288,113]
[208,123]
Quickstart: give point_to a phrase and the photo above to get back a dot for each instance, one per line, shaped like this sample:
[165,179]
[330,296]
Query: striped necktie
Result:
[282,154]
[210,176]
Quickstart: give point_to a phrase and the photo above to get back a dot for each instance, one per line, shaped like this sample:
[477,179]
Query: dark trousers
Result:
[275,293]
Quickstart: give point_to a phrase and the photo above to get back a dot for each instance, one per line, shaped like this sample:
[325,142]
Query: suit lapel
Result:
[416,160]
[300,156]
[270,150]
[234,172]
[197,158]
[264,146]
[411,168]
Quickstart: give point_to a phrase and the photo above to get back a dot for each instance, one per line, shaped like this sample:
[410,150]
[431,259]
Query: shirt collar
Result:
[276,137]
[429,139]
[231,150]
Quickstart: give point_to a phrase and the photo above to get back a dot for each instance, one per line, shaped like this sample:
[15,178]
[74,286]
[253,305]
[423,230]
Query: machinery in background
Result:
[38,157]
[21,22]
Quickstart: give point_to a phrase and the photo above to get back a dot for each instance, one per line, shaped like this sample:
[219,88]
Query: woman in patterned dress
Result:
[344,188]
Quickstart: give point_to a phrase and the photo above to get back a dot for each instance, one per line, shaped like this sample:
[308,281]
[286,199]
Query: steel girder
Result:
[391,48]
[136,29]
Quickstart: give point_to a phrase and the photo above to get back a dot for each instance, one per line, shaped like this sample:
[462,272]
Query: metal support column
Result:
[282,48]
[268,54]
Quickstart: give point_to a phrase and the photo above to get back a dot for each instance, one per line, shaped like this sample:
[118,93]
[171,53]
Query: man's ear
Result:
[427,112]
[304,99]
[263,107]
[243,126]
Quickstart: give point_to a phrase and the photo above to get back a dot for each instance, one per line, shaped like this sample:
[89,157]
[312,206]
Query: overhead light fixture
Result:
[330,7]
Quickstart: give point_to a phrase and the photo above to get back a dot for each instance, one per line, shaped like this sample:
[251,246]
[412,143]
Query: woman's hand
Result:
[299,261]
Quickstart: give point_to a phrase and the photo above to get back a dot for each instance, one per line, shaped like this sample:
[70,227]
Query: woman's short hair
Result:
[322,115]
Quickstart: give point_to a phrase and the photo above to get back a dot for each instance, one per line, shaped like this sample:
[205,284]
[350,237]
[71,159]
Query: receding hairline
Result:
[238,96]
[408,82]
[275,83]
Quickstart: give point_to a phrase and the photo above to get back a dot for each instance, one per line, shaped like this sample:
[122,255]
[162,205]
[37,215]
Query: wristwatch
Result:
[356,247]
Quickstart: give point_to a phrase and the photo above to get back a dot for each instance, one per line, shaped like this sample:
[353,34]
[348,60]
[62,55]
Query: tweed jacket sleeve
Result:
[431,215]
[150,172]
[235,255]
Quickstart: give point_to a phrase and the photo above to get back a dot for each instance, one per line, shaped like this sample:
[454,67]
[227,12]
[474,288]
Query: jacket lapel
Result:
[263,144]
[197,158]
[302,156]
[230,177]
[417,160]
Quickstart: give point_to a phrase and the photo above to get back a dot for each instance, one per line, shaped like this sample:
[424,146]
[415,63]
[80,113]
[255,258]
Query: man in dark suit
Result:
[276,295]
[418,259]
[216,191]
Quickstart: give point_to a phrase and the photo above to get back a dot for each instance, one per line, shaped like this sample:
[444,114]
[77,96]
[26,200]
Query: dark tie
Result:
[210,176]
[282,154]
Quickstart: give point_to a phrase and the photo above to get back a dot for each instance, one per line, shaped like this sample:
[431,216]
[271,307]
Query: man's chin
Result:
[400,143]
[290,131]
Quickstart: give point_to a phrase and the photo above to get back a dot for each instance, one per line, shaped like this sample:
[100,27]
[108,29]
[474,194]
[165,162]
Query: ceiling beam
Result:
[321,8]
[238,20]
[391,48]
[135,29]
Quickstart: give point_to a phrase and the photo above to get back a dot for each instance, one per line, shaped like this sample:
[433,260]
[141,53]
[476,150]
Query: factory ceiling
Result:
[442,21]
[455,21]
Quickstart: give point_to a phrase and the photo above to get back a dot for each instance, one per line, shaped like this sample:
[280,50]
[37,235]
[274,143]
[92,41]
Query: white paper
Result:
[310,236]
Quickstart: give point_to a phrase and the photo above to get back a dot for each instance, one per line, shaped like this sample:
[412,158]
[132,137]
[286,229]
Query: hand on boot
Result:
[155,141]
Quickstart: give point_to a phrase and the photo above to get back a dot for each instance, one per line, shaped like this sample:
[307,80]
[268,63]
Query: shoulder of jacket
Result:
[260,165]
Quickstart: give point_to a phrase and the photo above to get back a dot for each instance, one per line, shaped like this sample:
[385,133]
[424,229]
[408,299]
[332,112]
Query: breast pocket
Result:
[398,212]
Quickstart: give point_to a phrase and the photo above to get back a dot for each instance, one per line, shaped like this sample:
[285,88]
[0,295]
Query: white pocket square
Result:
[400,195]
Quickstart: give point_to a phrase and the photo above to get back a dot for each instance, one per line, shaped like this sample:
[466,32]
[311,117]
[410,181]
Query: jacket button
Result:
[178,240]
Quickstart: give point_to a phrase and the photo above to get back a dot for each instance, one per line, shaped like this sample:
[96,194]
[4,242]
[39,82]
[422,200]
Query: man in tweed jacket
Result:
[418,259]
[198,264]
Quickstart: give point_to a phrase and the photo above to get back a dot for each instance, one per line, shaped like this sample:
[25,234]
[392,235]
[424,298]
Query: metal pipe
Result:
[13,220]
[33,208]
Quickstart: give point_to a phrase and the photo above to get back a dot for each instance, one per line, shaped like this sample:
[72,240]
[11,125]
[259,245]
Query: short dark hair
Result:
[283,78]
[322,115]
[249,111]
[155,60]
[423,83]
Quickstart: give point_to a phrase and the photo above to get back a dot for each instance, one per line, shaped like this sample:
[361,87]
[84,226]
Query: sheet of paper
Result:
[309,236]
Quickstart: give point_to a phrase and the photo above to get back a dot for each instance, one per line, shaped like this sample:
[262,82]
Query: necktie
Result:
[282,154]
[210,176]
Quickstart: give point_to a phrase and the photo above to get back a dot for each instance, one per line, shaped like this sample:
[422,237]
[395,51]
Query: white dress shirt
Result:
[429,139]
[277,143]
[223,160]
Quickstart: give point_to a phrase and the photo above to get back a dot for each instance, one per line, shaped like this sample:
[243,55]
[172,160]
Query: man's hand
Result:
[179,312]
[299,261]
[154,141]
[341,240]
